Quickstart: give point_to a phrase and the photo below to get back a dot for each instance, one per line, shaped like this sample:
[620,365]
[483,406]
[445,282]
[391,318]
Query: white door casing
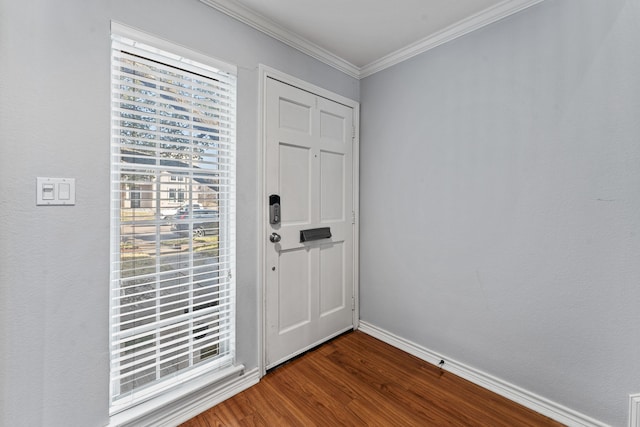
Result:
[310,164]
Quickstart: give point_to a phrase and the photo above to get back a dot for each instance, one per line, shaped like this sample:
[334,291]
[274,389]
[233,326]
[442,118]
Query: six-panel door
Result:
[309,165]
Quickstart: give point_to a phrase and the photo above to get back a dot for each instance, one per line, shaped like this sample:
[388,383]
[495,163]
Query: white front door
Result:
[309,165]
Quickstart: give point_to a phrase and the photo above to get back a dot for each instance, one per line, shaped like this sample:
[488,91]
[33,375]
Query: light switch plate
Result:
[55,191]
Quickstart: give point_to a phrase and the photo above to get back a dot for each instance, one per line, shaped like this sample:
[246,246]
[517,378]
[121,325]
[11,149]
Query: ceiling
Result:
[361,37]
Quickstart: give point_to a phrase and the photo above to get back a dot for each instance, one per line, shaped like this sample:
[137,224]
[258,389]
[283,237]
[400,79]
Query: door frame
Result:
[266,72]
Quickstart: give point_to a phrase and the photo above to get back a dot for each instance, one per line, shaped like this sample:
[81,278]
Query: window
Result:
[172,291]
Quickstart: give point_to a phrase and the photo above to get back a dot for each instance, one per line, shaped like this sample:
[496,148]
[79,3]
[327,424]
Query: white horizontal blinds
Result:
[173,229]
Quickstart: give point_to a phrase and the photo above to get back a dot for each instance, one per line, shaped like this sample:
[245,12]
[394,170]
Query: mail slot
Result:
[315,234]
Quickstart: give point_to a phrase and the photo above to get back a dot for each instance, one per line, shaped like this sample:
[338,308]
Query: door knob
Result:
[275,237]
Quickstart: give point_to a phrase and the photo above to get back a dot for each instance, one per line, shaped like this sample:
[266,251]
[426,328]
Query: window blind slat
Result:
[223,82]
[138,334]
[208,333]
[165,357]
[172,133]
[145,93]
[170,89]
[129,106]
[172,294]
[170,316]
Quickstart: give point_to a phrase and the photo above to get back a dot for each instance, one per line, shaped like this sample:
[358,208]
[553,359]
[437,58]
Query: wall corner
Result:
[634,410]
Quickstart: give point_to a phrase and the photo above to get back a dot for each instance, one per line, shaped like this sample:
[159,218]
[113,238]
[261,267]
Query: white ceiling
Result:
[361,37]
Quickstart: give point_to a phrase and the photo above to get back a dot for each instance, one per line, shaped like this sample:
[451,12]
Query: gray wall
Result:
[500,202]
[499,211]
[54,121]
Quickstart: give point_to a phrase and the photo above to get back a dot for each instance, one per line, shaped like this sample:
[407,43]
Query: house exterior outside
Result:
[173,191]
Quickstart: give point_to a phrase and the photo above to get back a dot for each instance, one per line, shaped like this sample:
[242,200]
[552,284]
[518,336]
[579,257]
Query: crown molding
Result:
[270,28]
[460,28]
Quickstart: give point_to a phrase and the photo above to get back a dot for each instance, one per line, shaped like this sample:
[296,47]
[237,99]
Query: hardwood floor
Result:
[357,380]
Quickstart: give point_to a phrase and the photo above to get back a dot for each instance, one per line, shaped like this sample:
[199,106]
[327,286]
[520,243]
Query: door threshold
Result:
[312,349]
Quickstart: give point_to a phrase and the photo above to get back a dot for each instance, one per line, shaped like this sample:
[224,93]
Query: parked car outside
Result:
[171,212]
[205,222]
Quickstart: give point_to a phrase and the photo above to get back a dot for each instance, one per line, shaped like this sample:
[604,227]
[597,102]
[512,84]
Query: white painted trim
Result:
[309,87]
[179,410]
[263,73]
[634,410]
[266,72]
[459,29]
[512,392]
[270,28]
[465,26]
[356,207]
[176,51]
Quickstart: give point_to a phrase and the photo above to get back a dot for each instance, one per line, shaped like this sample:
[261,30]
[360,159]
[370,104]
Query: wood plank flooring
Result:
[357,380]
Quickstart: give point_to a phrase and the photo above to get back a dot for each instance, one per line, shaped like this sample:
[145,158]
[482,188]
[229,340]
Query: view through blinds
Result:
[172,223]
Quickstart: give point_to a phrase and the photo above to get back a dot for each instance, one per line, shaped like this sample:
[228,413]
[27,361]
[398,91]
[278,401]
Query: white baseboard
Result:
[199,404]
[523,397]
[195,403]
[634,410]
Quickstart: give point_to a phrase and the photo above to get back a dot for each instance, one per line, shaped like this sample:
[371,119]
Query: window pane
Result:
[173,185]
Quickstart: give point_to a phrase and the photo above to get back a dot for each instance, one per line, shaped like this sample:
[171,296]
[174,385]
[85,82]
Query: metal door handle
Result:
[275,237]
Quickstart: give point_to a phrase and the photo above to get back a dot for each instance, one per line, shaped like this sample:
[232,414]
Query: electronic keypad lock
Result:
[274,209]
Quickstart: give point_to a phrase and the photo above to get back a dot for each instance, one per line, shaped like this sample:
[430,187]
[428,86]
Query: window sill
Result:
[187,400]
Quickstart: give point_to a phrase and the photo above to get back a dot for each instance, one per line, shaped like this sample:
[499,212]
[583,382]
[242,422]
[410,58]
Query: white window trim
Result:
[181,405]
[181,52]
[200,379]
